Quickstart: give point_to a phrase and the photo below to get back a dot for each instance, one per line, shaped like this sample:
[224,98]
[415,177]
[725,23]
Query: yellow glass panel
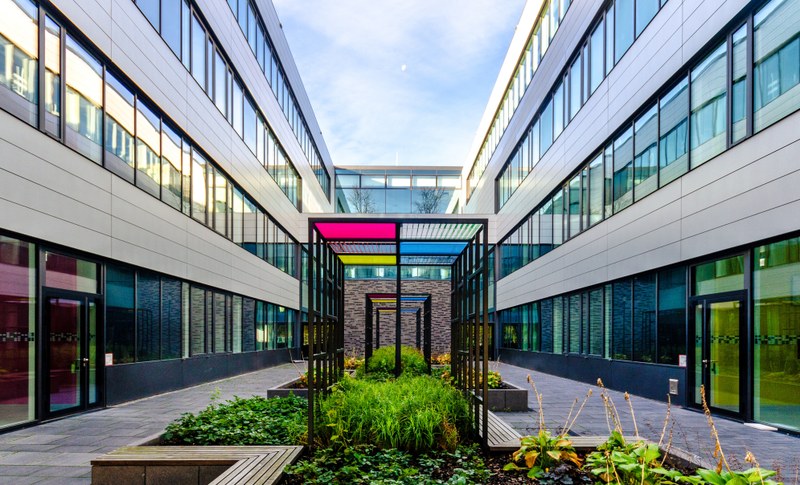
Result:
[373,260]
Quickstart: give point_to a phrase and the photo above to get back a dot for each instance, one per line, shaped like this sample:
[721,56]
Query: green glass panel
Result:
[723,365]
[719,276]
[776,327]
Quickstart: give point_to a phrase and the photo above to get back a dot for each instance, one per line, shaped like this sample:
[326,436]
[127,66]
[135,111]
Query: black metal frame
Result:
[325,322]
[326,314]
[470,329]
[424,319]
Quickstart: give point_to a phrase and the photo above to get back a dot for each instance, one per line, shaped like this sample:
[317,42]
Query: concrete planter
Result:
[283,390]
[509,398]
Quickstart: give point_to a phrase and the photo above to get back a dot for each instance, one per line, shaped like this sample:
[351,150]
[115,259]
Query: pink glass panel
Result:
[64,353]
[333,231]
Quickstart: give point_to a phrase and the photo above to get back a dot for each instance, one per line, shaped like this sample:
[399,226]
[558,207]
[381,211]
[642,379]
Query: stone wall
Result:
[355,302]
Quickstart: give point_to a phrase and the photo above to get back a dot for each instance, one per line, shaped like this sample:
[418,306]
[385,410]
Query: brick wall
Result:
[354,307]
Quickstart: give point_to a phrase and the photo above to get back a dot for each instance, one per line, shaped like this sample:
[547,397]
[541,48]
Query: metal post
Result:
[419,329]
[311,317]
[398,313]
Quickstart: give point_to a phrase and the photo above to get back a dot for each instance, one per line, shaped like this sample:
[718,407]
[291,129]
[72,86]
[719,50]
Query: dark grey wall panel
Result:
[143,379]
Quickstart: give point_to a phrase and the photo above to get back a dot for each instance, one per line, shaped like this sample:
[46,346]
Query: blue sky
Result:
[402,80]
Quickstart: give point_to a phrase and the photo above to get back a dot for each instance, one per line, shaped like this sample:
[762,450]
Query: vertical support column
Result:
[427,318]
[312,301]
[368,311]
[398,313]
[377,329]
[484,240]
[419,329]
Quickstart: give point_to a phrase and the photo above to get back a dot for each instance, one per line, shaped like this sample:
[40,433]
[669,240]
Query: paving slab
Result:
[690,431]
[59,451]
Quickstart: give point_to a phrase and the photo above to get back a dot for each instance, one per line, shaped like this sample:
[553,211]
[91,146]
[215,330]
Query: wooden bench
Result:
[195,465]
[502,437]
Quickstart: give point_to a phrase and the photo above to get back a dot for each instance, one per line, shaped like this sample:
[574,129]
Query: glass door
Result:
[70,328]
[719,338]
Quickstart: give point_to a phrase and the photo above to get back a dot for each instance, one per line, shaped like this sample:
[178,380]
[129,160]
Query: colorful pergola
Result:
[378,304]
[459,243]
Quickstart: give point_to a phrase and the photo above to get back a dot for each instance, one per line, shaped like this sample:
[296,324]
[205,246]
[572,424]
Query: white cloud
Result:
[427,110]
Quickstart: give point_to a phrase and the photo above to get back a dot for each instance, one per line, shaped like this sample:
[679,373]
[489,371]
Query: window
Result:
[738,85]
[198,187]
[546,227]
[595,196]
[708,85]
[623,31]
[171,24]
[150,10]
[719,276]
[220,83]
[596,71]
[220,201]
[249,125]
[219,323]
[19,54]
[186,37]
[148,150]
[575,80]
[546,309]
[148,317]
[623,170]
[621,320]
[645,11]
[673,114]
[574,205]
[558,218]
[248,325]
[558,110]
[596,316]
[776,325]
[198,52]
[610,39]
[120,314]
[671,315]
[52,78]
[645,162]
[84,106]
[608,180]
[120,121]
[644,318]
[776,33]
[197,321]
[237,233]
[574,322]
[237,108]
[171,318]
[171,191]
[249,227]
[546,119]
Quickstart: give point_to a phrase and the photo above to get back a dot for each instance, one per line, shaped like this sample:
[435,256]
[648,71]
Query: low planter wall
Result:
[509,398]
[283,390]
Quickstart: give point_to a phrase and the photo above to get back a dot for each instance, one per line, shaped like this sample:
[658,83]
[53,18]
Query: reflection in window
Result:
[673,131]
[120,314]
[574,205]
[623,33]
[148,317]
[575,88]
[52,77]
[148,150]
[776,322]
[646,156]
[776,31]
[738,85]
[170,167]
[198,187]
[708,85]
[644,318]
[120,122]
[171,24]
[645,11]
[621,320]
[198,52]
[595,196]
[84,106]
[19,53]
[671,315]
[596,72]
[623,170]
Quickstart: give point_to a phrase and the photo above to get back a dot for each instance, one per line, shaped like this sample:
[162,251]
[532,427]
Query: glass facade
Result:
[109,122]
[636,162]
[397,191]
[17,331]
[603,45]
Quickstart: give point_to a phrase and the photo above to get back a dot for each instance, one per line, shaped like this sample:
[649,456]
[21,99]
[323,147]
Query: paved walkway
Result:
[59,452]
[691,433]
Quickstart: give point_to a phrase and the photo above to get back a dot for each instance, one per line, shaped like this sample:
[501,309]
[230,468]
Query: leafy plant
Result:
[412,362]
[442,359]
[252,421]
[539,453]
[753,475]
[494,380]
[369,464]
[353,363]
[617,461]
[416,414]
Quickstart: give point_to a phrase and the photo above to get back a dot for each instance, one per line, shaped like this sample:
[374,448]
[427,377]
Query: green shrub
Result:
[367,464]
[415,414]
[252,421]
[412,362]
